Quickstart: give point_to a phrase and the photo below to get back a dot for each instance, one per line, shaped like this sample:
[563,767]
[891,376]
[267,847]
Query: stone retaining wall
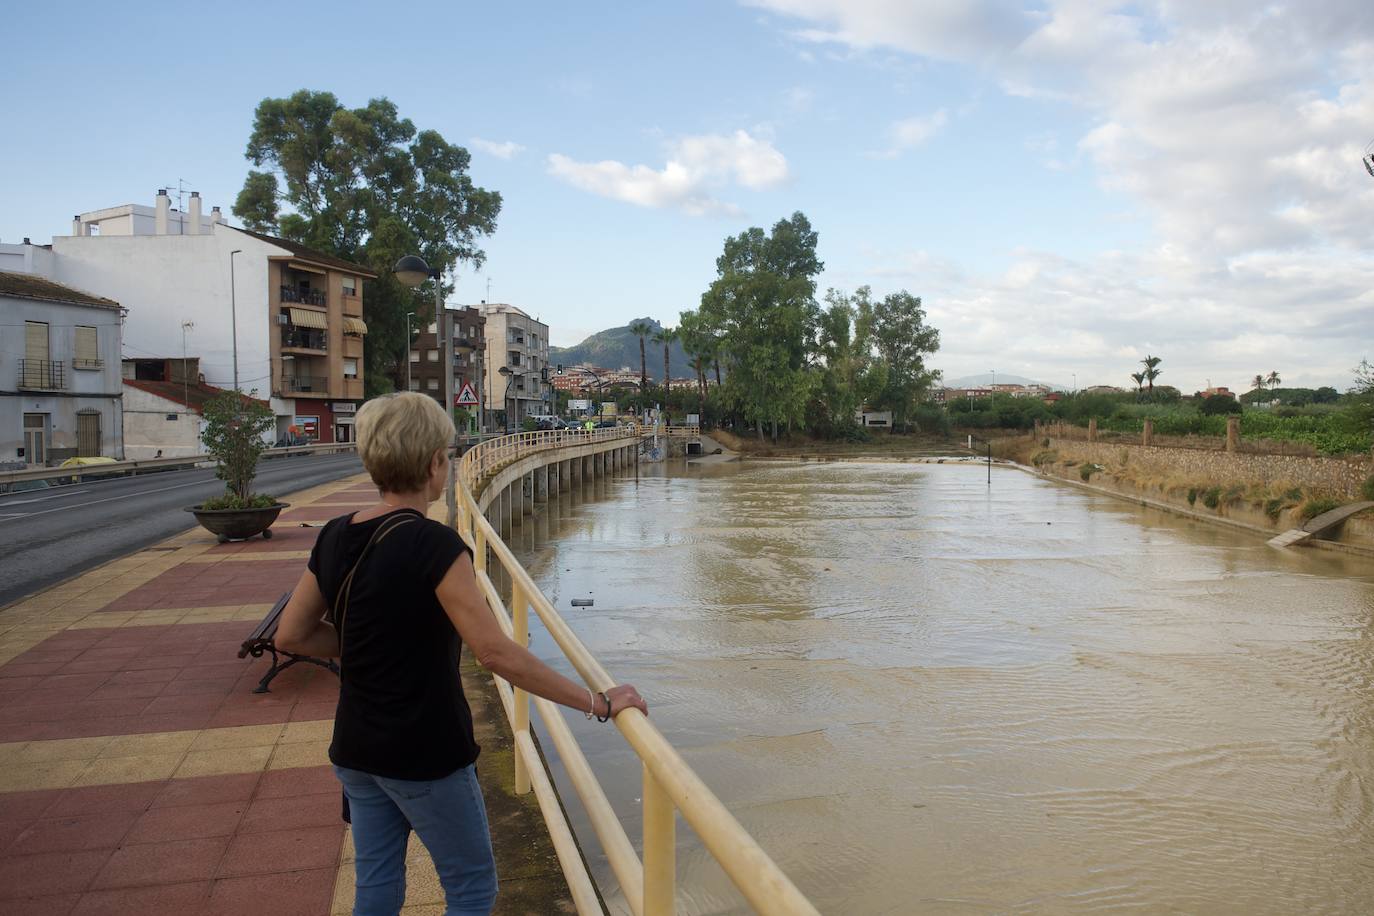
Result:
[1340,478]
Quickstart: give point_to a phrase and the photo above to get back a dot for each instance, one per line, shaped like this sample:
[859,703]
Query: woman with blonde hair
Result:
[393,595]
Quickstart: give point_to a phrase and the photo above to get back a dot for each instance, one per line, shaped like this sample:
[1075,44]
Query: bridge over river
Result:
[923,694]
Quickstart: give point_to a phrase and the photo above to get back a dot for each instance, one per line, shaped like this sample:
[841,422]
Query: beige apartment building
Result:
[517,367]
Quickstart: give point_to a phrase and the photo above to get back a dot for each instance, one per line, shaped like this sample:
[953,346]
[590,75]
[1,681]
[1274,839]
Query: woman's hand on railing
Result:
[622,698]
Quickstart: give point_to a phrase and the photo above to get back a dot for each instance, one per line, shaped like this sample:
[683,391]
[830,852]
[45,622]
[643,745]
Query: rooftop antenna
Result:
[488,299]
[181,190]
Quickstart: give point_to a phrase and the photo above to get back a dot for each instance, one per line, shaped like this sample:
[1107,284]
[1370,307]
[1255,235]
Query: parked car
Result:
[545,421]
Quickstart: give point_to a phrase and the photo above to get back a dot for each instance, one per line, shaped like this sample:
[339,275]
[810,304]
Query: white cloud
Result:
[506,150]
[910,133]
[697,168]
[1236,130]
[945,29]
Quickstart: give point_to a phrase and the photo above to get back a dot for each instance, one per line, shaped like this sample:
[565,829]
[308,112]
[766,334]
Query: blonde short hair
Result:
[398,435]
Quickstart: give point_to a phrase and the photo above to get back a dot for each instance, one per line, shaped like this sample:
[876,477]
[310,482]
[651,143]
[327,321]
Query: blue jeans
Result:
[449,817]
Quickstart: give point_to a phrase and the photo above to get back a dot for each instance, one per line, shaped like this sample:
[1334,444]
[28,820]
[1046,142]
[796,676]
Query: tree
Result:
[666,337]
[1273,380]
[1257,385]
[364,185]
[642,329]
[233,436]
[904,340]
[1364,378]
[762,307]
[1152,372]
[1139,379]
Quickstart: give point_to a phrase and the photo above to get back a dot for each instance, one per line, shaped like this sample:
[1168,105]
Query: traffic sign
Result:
[467,397]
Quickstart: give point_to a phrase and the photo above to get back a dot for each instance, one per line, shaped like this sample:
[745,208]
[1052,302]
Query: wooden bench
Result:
[262,640]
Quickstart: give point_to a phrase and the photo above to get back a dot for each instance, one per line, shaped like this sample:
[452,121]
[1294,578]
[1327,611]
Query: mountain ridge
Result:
[618,348]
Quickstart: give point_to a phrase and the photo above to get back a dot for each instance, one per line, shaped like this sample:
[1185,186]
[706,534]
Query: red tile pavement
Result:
[213,585]
[313,513]
[284,537]
[135,680]
[174,846]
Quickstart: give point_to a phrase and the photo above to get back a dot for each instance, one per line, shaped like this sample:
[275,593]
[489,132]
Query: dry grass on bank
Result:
[884,445]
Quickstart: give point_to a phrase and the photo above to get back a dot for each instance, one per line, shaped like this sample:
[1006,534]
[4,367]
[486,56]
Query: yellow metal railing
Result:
[670,785]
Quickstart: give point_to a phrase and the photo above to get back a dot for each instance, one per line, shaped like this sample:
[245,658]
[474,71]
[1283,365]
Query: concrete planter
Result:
[238,524]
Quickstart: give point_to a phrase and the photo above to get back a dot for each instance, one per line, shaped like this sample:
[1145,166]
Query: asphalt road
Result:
[50,535]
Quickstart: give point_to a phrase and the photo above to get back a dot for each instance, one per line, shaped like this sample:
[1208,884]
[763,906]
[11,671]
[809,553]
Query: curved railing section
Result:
[670,785]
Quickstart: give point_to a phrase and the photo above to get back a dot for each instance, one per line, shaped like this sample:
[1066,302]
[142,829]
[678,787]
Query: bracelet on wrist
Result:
[607,716]
[591,711]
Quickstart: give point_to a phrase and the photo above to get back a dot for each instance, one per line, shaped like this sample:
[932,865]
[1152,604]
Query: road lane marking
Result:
[179,486]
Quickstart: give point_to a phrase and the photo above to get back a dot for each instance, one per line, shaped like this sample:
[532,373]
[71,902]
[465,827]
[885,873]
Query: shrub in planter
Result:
[233,436]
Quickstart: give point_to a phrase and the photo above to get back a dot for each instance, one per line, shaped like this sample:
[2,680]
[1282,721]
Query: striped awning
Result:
[354,326]
[308,318]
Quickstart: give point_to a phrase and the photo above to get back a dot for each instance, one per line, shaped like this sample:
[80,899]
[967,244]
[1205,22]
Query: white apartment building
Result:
[281,319]
[517,367]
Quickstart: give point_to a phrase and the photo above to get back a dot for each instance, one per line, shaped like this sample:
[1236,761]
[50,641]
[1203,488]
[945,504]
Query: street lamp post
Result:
[412,271]
[234,315]
[409,315]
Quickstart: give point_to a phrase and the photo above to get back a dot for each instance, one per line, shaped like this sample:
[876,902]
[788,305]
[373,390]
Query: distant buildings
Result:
[519,380]
[283,319]
[469,361]
[59,370]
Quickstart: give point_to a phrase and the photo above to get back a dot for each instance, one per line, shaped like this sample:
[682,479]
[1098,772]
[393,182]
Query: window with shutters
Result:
[87,349]
[350,367]
[432,384]
[432,356]
[350,286]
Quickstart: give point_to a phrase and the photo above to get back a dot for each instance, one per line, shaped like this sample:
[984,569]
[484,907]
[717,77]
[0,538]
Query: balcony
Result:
[294,338]
[42,375]
[304,296]
[306,384]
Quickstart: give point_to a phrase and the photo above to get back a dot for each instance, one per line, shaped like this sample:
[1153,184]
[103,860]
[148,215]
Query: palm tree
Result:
[642,329]
[1273,380]
[1152,371]
[1139,379]
[698,365]
[666,337]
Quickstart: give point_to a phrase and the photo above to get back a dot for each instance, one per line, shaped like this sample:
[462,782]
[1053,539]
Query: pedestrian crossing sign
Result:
[467,397]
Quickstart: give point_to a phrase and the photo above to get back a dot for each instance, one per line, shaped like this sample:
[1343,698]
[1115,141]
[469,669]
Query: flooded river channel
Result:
[922,694]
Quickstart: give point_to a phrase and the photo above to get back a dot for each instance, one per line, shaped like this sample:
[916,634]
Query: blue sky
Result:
[1069,185]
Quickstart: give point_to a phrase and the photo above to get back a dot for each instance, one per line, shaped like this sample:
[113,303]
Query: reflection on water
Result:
[922,695]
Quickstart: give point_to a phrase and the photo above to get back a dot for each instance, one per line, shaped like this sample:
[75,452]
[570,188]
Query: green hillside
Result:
[615,348]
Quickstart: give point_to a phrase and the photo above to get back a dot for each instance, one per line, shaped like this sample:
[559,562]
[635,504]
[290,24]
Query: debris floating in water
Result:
[582,602]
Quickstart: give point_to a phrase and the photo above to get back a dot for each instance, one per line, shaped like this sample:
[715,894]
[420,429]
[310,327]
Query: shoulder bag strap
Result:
[346,587]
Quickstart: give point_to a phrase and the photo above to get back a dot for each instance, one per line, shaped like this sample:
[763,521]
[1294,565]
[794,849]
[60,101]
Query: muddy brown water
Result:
[925,695]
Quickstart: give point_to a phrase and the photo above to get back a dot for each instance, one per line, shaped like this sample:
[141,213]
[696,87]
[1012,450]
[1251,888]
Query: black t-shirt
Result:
[402,713]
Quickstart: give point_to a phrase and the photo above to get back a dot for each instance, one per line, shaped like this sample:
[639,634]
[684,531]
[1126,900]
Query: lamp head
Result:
[411,270]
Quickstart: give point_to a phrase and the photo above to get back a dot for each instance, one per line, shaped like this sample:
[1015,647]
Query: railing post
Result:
[479,553]
[660,849]
[519,618]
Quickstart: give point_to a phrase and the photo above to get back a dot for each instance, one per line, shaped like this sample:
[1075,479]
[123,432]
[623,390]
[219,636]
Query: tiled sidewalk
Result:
[140,774]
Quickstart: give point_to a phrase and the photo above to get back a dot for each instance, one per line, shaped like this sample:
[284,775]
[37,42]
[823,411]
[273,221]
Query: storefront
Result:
[343,420]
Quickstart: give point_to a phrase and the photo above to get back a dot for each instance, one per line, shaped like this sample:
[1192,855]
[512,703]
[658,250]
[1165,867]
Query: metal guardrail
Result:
[670,785]
[146,465]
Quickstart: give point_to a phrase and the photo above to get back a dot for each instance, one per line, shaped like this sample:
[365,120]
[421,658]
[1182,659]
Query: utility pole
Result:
[185,385]
[234,316]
